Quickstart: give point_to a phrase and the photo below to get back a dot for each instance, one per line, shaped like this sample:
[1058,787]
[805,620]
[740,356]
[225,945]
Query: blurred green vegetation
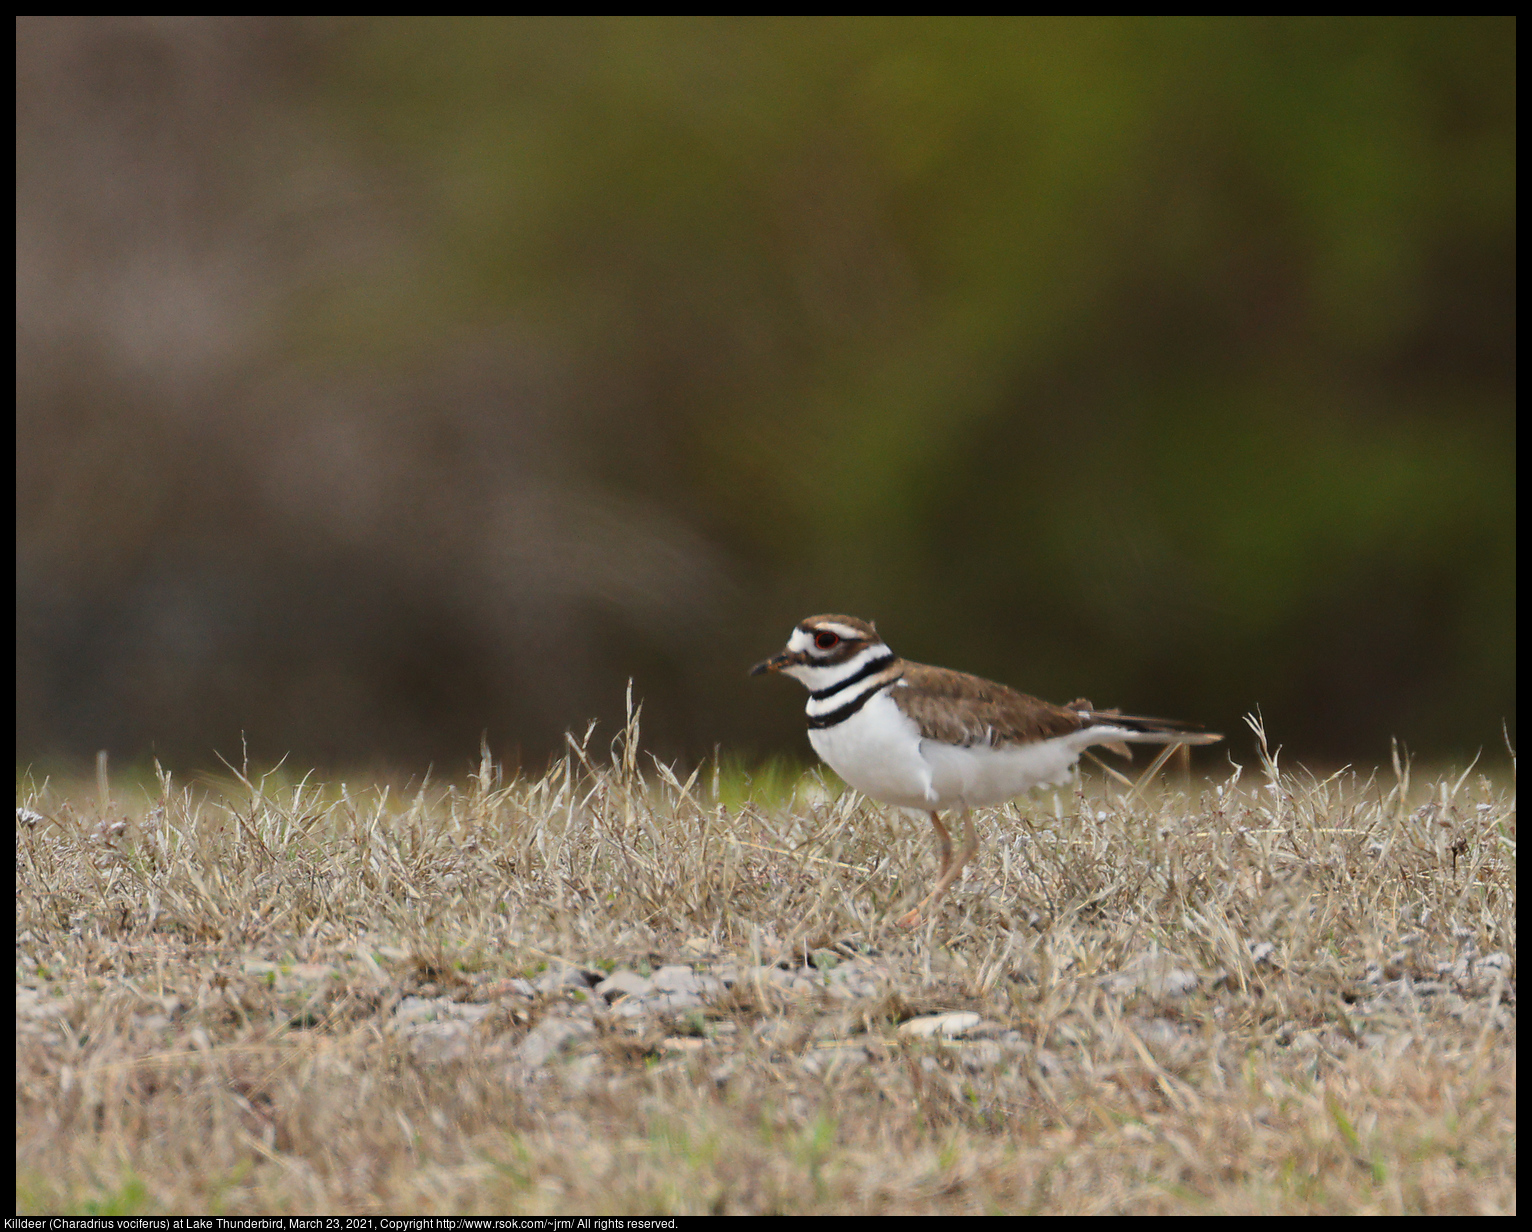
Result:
[1164,361]
[776,782]
[1170,354]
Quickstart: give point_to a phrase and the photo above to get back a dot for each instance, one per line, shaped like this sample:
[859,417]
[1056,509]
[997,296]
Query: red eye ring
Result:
[826,640]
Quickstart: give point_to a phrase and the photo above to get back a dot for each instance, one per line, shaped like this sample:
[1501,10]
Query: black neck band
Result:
[867,669]
[841,713]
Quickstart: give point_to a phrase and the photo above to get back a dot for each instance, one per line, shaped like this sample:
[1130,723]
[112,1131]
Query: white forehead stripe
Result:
[846,631]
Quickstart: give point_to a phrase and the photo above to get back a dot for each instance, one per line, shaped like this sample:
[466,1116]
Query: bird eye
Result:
[826,640]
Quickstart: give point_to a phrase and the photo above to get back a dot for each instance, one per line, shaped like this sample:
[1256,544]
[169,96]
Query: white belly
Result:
[977,776]
[879,752]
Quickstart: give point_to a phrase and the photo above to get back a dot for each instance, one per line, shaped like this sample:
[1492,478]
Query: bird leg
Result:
[950,869]
[945,839]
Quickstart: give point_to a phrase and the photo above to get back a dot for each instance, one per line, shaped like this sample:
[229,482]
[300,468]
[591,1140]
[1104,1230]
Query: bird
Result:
[931,739]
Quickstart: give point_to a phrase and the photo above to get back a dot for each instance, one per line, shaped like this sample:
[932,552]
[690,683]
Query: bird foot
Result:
[911,918]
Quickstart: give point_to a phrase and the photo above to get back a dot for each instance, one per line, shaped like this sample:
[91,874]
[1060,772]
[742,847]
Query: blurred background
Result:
[382,382]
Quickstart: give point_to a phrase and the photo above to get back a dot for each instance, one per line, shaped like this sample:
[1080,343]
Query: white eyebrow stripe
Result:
[846,631]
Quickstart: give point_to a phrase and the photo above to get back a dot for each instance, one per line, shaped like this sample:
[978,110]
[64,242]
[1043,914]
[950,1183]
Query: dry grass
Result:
[1271,996]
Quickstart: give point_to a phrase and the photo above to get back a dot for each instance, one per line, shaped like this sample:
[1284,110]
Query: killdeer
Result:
[926,738]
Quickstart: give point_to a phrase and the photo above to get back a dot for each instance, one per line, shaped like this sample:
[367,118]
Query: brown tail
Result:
[1144,730]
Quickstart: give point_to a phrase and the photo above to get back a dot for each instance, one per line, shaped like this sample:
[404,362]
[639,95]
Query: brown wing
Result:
[957,708]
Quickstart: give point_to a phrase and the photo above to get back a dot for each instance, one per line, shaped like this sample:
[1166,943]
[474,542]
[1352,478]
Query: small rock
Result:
[567,976]
[676,979]
[858,978]
[414,1010]
[440,1041]
[948,1026]
[1173,983]
[657,1003]
[685,980]
[624,984]
[549,1037]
